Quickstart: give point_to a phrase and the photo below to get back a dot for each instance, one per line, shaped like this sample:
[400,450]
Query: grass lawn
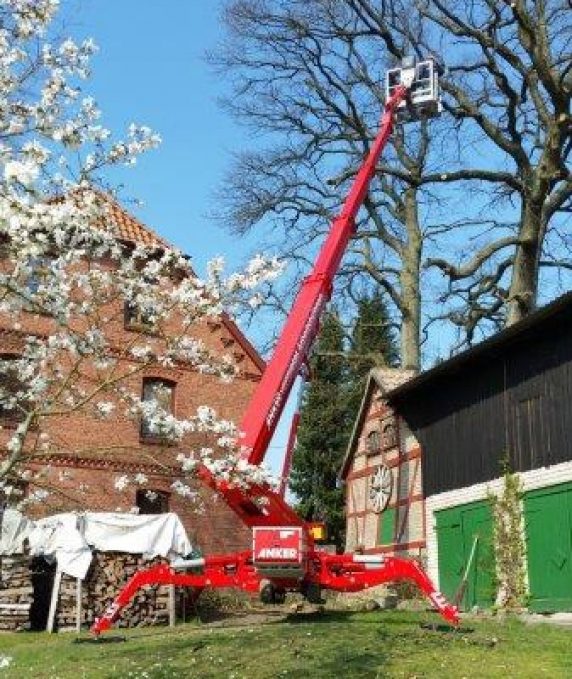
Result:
[331,644]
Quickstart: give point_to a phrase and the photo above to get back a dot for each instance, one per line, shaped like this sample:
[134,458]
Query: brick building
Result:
[91,453]
[382,473]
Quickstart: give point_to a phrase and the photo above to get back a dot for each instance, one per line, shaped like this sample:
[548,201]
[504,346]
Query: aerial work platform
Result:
[421,78]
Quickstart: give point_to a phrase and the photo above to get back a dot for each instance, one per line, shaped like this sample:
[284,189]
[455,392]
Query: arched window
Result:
[13,405]
[160,393]
[138,317]
[388,433]
[372,444]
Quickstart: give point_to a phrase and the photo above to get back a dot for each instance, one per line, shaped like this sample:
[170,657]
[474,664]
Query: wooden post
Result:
[54,601]
[171,605]
[78,605]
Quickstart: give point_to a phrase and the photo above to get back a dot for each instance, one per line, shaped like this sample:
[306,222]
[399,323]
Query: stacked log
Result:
[16,592]
[108,574]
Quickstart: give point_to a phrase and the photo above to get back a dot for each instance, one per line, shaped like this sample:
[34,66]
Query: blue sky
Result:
[150,69]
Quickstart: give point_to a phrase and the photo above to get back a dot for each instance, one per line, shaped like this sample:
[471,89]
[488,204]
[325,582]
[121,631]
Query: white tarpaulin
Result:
[69,538]
[14,530]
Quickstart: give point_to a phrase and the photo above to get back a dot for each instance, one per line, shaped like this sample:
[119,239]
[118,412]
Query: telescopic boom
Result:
[268,401]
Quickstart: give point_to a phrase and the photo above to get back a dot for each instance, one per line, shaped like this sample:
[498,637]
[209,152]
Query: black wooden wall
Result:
[513,399]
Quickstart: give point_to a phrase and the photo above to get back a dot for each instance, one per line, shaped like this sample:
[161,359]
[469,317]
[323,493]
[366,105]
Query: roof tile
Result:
[127,227]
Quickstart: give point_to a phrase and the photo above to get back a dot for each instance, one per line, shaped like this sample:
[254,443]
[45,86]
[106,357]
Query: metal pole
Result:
[171,605]
[78,605]
[54,601]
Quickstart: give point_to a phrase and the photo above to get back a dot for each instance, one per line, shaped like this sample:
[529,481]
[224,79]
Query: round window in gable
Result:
[380,488]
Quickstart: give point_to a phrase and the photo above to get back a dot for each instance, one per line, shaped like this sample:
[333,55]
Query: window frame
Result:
[389,422]
[11,418]
[370,448]
[134,320]
[153,437]
[162,495]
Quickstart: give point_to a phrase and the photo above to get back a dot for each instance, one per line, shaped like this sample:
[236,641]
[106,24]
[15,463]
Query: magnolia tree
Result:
[61,263]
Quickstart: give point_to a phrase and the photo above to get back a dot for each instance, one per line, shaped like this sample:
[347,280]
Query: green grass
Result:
[334,644]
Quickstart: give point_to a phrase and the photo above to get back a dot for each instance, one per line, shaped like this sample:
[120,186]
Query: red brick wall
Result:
[92,452]
[210,524]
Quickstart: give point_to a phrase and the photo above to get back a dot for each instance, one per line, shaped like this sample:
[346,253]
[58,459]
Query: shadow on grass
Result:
[346,663]
[263,656]
[362,618]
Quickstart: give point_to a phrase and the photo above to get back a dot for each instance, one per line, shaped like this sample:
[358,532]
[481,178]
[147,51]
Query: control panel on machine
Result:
[278,547]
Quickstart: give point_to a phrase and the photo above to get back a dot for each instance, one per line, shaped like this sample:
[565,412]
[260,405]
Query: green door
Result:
[449,551]
[481,583]
[457,530]
[548,513]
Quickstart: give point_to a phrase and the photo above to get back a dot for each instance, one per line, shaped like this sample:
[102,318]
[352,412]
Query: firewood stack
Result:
[16,592]
[108,573]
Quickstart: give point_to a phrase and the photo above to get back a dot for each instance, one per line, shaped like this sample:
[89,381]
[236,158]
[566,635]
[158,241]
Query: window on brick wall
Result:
[135,318]
[40,271]
[12,490]
[389,433]
[151,501]
[161,393]
[12,404]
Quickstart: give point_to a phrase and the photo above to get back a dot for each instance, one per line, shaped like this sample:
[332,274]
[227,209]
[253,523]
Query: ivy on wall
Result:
[509,546]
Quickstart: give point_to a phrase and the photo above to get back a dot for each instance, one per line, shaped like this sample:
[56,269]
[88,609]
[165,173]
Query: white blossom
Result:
[188,463]
[183,489]
[105,408]
[63,262]
[121,482]
[23,171]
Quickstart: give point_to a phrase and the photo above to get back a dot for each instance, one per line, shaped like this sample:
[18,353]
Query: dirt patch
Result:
[250,619]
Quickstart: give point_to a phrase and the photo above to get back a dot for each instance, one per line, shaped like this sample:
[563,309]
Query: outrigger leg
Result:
[337,572]
[356,572]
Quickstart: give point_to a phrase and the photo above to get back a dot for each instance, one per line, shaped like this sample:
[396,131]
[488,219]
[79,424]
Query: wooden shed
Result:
[506,400]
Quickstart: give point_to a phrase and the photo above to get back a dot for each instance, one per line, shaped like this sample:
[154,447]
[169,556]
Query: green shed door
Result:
[457,529]
[450,551]
[548,523]
[481,584]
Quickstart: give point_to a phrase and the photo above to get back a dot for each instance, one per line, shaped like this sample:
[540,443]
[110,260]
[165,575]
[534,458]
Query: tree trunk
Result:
[524,280]
[410,285]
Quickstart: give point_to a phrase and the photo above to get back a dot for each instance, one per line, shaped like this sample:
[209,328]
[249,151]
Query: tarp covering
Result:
[70,538]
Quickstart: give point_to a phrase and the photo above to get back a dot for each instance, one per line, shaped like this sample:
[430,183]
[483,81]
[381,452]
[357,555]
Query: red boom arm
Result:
[260,505]
[268,401]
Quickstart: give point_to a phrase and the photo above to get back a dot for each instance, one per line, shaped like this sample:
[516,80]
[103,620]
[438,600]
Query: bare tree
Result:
[304,77]
[309,75]
[510,79]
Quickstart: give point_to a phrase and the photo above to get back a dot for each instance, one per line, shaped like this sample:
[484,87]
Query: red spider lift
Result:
[285,556]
